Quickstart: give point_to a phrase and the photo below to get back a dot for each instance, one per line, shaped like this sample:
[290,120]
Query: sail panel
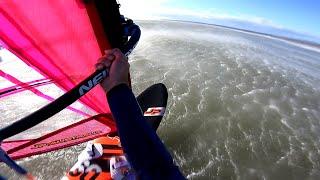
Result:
[55,38]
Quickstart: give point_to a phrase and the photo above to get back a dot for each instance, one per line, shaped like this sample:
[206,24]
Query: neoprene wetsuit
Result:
[144,149]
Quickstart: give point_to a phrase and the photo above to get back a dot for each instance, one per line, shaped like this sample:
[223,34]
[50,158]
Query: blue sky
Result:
[295,18]
[299,15]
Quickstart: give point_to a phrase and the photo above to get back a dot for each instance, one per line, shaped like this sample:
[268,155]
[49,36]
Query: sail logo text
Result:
[92,82]
[59,141]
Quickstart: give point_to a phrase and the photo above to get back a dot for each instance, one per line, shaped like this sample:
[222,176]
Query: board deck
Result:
[153,102]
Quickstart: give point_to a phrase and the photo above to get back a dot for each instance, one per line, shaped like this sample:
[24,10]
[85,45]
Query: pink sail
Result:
[61,40]
[57,39]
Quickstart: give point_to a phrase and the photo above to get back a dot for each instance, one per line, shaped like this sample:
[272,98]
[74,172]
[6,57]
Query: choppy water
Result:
[241,106]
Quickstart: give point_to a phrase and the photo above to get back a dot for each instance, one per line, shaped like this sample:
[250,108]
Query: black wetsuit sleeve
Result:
[145,151]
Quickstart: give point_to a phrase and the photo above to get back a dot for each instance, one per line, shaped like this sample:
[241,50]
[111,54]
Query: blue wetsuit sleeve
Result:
[144,149]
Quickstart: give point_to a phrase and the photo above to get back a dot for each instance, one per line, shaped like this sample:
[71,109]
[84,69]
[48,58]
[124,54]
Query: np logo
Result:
[155,111]
[92,82]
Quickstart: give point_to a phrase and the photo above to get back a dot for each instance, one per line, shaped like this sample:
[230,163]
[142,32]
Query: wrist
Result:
[115,85]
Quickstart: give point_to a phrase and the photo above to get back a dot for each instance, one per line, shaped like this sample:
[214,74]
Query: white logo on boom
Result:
[92,82]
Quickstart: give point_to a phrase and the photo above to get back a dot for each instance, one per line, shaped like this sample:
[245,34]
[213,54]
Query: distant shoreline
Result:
[292,40]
